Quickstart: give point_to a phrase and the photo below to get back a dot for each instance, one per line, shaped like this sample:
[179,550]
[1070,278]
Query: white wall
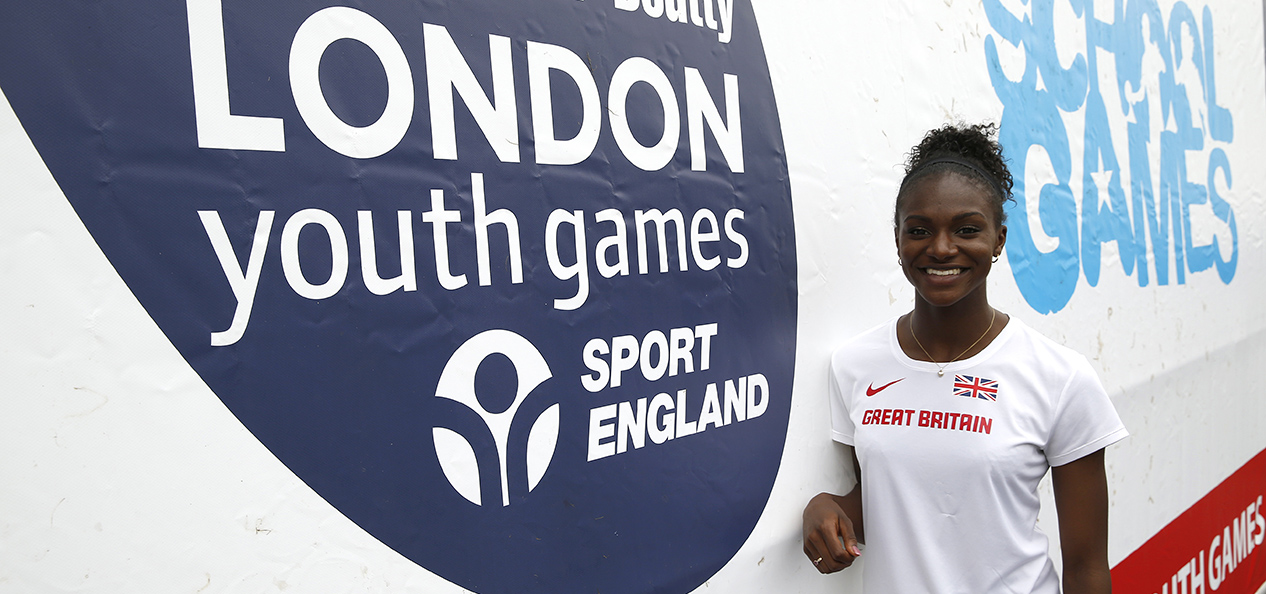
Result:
[122,471]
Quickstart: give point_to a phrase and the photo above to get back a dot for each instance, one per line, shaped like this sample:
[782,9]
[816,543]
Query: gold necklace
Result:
[940,372]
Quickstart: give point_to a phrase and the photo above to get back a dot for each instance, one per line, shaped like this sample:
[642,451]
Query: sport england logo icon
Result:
[475,271]
[457,382]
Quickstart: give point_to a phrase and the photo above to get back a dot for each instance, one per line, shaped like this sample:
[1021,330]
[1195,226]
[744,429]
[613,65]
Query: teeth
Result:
[950,272]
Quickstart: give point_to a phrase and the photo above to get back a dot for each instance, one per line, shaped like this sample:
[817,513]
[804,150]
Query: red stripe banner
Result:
[1214,546]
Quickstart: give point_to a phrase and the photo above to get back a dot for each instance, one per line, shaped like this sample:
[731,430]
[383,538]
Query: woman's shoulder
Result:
[1024,340]
[876,340]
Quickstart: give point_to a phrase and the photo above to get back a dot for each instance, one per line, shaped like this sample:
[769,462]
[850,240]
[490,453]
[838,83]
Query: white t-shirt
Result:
[950,465]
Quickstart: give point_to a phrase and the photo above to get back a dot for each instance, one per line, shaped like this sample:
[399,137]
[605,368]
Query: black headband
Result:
[993,182]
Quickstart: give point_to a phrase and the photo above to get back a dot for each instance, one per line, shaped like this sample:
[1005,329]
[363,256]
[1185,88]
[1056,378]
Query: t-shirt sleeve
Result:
[1085,419]
[842,428]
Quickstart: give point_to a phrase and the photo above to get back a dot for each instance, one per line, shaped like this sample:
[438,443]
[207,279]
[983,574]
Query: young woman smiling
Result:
[956,410]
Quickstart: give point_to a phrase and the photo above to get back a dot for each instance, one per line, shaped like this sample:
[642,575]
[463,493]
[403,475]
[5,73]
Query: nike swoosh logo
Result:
[871,390]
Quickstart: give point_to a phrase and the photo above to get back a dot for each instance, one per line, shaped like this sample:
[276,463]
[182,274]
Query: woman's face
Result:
[947,237]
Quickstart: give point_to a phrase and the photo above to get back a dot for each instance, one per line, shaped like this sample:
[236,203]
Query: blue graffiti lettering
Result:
[1145,212]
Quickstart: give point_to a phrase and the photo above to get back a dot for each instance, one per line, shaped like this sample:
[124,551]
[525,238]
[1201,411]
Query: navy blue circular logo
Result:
[510,284]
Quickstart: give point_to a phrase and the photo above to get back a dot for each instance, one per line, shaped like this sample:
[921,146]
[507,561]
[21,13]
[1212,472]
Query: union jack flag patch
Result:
[976,387]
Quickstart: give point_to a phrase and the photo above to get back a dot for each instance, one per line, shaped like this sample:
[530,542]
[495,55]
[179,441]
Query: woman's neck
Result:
[953,332]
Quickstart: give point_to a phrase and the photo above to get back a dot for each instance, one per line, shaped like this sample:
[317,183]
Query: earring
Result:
[995,258]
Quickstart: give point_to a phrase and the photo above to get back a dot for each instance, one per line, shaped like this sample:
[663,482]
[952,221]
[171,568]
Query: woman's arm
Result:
[833,527]
[1081,501]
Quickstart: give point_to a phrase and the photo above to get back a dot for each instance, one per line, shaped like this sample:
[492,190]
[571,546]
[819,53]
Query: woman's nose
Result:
[942,246]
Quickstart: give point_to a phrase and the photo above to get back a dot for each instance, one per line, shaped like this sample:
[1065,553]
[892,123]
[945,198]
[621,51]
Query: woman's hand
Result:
[830,538]
[832,527]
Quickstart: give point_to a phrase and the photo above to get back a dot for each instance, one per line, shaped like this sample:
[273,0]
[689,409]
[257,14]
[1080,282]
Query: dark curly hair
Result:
[969,150]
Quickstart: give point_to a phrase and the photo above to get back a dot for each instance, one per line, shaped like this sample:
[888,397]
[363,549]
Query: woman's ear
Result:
[1002,240]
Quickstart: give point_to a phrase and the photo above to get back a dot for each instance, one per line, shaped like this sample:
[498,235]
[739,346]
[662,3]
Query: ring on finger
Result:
[817,561]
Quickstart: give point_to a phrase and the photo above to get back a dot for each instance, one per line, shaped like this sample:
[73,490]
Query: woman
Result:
[955,411]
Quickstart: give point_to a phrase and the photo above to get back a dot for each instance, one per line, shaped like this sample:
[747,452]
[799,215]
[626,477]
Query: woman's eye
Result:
[969,230]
